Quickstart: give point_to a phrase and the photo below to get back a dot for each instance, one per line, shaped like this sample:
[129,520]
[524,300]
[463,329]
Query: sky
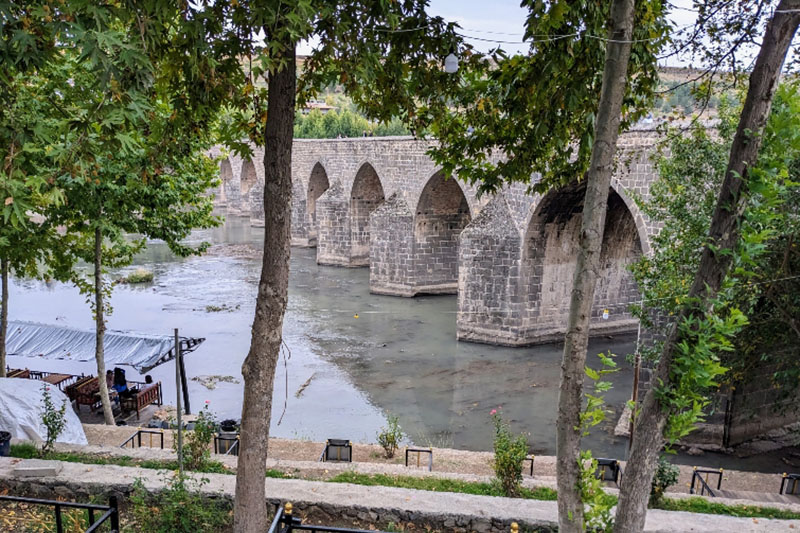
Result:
[504,20]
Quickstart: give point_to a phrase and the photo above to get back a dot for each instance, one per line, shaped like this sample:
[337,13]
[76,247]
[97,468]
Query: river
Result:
[366,356]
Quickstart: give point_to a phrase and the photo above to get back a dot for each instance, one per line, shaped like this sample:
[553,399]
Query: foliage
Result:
[597,516]
[666,475]
[389,437]
[752,318]
[179,508]
[197,443]
[53,419]
[439,485]
[509,454]
[344,123]
[539,110]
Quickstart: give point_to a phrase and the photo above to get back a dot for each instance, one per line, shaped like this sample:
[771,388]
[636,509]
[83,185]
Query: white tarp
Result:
[21,409]
[143,352]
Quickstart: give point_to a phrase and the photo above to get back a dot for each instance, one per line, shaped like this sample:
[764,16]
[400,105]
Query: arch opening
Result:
[550,255]
[249,176]
[442,213]
[367,194]
[317,184]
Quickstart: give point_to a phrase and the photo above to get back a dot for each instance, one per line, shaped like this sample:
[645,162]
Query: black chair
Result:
[419,452]
[608,470]
[337,451]
[789,484]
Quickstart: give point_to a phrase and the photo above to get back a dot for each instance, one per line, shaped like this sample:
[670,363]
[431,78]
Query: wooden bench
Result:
[139,399]
[84,392]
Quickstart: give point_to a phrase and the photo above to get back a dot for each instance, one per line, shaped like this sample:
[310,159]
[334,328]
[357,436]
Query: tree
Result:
[125,180]
[377,52]
[27,45]
[559,111]
[660,402]
[130,109]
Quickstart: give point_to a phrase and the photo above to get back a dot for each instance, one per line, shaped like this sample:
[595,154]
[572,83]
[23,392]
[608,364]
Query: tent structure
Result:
[21,410]
[142,352]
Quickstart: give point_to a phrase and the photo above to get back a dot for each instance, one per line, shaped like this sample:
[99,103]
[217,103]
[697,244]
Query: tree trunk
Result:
[100,328]
[715,262]
[598,181]
[250,512]
[3,316]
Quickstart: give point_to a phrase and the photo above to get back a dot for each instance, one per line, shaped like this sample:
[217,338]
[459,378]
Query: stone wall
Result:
[512,270]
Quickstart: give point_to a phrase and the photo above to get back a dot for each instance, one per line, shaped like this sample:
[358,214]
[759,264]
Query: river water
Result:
[360,356]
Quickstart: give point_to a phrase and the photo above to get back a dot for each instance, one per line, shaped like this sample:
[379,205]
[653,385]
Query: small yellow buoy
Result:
[355,315]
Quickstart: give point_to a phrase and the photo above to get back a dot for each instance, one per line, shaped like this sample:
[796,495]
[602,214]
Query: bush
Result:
[140,275]
[509,454]
[197,443]
[178,508]
[54,421]
[666,475]
[389,437]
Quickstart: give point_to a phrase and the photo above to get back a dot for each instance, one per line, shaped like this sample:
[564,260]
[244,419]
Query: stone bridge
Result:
[382,203]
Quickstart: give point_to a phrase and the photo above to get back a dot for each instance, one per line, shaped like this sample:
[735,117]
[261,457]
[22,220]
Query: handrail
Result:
[138,436]
[703,483]
[110,511]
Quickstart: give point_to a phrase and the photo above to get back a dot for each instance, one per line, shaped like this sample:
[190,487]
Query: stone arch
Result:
[366,195]
[225,176]
[442,213]
[317,184]
[636,213]
[249,176]
[550,249]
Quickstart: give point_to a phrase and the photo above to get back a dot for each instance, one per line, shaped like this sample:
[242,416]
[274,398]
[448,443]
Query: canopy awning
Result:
[142,352]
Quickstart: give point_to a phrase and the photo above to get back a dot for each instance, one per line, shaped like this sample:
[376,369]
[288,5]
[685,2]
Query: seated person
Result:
[120,383]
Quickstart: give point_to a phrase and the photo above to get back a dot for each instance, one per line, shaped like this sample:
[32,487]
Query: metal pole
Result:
[178,395]
[183,383]
[637,365]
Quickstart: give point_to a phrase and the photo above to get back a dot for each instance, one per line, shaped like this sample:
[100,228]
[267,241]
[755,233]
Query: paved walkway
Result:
[379,505]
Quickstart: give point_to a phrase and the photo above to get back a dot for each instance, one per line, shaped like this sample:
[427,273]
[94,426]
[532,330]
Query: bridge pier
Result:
[490,308]
[333,227]
[391,251]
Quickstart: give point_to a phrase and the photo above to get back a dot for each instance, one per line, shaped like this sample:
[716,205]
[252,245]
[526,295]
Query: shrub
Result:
[140,275]
[197,443]
[509,454]
[178,508]
[53,419]
[666,475]
[389,437]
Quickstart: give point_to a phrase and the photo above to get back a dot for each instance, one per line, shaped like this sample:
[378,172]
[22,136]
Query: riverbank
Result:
[288,453]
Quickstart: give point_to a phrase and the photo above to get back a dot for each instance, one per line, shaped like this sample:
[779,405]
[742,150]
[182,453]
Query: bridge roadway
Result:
[382,203]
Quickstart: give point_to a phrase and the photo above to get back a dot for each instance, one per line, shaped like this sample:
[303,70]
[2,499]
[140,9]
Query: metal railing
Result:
[109,513]
[135,440]
[703,483]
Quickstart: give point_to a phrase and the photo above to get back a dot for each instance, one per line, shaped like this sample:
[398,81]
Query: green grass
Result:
[438,485]
[29,451]
[701,505]
[691,505]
